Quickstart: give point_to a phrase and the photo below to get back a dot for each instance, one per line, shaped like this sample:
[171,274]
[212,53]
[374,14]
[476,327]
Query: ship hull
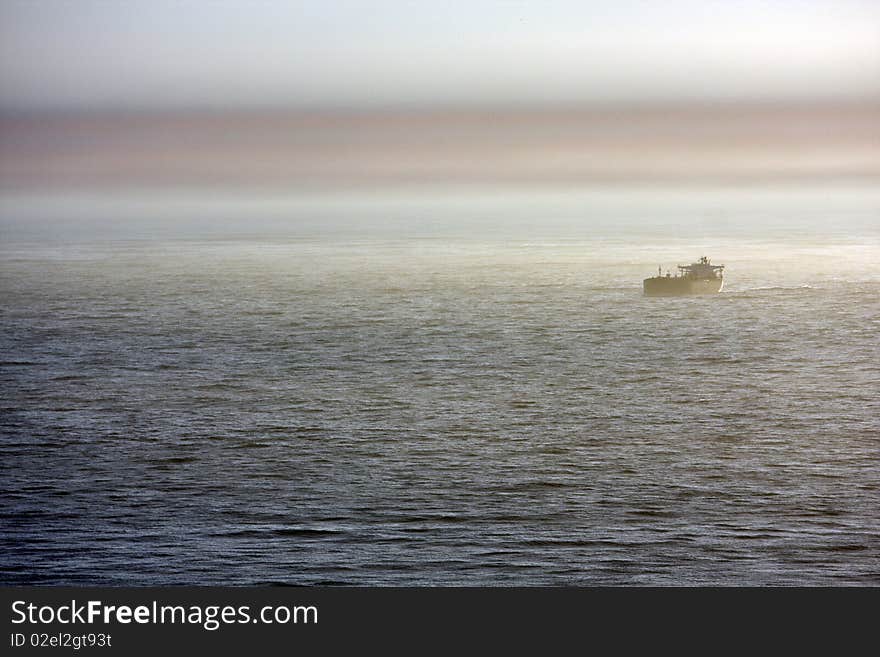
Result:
[679,286]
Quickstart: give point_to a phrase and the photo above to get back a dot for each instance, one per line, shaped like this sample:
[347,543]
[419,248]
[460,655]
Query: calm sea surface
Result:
[475,393]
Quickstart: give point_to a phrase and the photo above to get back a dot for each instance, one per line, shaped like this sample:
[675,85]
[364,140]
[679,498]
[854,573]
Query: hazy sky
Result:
[148,53]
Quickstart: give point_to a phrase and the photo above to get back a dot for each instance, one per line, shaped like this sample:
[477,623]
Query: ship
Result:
[698,278]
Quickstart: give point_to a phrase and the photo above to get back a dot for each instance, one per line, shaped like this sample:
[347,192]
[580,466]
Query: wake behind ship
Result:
[698,278]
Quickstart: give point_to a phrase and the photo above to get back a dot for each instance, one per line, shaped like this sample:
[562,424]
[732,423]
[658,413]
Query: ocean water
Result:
[466,392]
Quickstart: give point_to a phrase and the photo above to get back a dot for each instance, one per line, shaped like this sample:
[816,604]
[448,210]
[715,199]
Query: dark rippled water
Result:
[311,408]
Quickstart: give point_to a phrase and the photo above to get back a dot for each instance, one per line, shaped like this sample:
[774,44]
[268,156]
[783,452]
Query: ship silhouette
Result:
[701,277]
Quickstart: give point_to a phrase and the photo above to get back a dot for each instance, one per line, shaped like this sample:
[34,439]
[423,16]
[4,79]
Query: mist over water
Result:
[465,389]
